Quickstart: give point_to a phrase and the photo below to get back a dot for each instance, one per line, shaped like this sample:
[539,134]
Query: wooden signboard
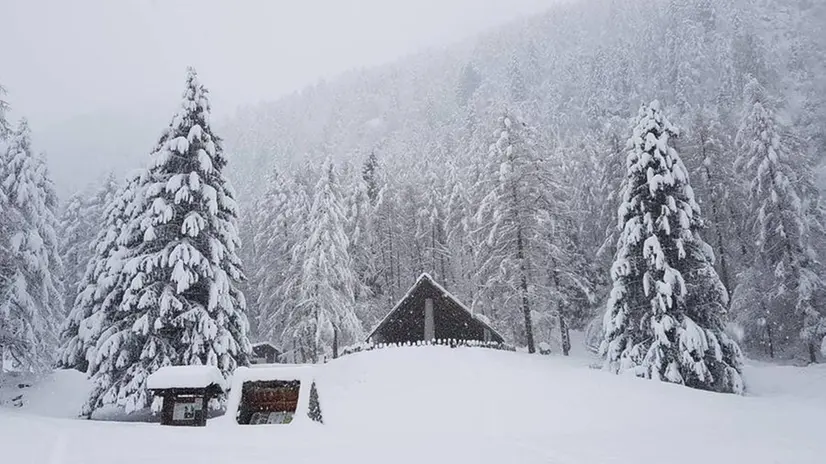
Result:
[268,402]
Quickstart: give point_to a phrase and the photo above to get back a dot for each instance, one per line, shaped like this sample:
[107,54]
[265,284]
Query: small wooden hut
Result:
[186,392]
[264,353]
[429,312]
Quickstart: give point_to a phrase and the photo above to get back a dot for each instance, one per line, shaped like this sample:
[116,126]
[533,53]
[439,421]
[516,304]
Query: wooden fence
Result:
[452,343]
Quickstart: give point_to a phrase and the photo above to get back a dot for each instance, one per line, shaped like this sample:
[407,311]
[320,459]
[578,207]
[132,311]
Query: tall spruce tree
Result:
[181,304]
[322,276]
[362,242]
[79,222]
[666,313]
[282,212]
[93,292]
[780,301]
[4,124]
[511,222]
[31,287]
[74,249]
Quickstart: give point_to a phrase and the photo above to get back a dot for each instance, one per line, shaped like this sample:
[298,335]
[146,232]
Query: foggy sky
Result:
[99,79]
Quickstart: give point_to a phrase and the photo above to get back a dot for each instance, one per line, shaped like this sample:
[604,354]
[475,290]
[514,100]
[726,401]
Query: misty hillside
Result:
[579,69]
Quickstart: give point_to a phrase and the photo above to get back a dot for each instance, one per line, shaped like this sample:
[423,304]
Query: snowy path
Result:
[434,404]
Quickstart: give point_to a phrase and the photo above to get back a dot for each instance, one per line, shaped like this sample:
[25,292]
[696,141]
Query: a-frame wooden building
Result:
[429,312]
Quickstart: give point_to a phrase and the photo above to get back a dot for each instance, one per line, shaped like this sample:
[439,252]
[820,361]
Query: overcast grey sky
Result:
[100,67]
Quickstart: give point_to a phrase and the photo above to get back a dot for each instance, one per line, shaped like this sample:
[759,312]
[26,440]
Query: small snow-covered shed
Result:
[282,394]
[429,312]
[264,353]
[186,392]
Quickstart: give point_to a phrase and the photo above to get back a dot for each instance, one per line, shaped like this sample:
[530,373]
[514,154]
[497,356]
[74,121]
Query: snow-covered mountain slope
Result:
[467,405]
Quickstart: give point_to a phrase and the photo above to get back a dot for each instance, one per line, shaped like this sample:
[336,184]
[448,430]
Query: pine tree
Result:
[362,241]
[370,175]
[469,81]
[324,316]
[30,269]
[430,222]
[4,107]
[181,304]
[787,224]
[81,218]
[459,212]
[572,240]
[717,184]
[91,292]
[510,223]
[72,250]
[283,212]
[666,313]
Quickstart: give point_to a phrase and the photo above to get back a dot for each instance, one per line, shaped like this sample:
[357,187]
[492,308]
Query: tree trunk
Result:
[566,335]
[295,352]
[398,272]
[385,266]
[436,275]
[721,250]
[770,340]
[812,352]
[526,309]
[335,342]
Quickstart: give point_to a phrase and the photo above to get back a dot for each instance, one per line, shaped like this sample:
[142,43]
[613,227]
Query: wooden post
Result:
[429,321]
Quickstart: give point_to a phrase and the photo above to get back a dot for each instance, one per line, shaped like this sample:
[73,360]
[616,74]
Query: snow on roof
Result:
[482,318]
[185,377]
[256,345]
[272,372]
[425,276]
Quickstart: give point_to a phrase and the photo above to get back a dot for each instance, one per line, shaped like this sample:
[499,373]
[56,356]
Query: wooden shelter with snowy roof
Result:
[429,312]
[186,392]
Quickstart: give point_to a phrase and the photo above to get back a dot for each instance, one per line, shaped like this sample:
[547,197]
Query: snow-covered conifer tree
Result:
[712,168]
[79,223]
[4,124]
[666,313]
[362,241]
[324,315]
[458,220]
[181,304]
[283,213]
[74,249]
[509,223]
[31,285]
[782,299]
[430,222]
[98,278]
[370,176]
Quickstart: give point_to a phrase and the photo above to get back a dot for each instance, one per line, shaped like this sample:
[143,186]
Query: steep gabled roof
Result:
[427,279]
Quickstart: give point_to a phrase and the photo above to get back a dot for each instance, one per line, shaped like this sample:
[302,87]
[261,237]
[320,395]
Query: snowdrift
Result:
[470,405]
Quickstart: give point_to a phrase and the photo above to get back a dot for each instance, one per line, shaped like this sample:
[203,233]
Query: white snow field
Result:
[463,405]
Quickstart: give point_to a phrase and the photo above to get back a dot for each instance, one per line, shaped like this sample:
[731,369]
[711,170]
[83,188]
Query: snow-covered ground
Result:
[464,405]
